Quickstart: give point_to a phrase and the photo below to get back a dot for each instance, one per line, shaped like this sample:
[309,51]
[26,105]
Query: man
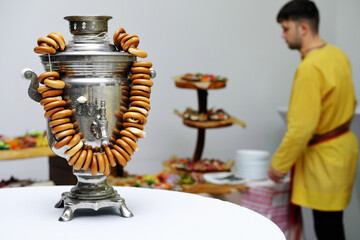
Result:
[318,146]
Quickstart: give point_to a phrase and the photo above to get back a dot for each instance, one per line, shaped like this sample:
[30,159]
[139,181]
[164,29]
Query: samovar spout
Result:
[99,126]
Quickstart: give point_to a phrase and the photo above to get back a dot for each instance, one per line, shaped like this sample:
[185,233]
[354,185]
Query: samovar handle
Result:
[29,74]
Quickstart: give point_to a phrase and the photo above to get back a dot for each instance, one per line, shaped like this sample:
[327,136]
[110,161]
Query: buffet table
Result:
[29,213]
[26,153]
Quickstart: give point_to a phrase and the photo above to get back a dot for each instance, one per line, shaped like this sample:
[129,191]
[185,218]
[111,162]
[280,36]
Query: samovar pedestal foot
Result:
[71,204]
[90,192]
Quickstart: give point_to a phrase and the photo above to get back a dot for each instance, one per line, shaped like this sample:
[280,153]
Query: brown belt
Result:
[318,138]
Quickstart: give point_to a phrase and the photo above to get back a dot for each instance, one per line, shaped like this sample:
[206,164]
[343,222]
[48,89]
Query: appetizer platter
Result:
[204,118]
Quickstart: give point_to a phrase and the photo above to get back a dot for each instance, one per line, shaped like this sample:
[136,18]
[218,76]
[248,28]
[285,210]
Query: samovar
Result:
[89,93]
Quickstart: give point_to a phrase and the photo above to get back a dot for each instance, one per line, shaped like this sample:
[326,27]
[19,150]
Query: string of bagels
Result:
[129,126]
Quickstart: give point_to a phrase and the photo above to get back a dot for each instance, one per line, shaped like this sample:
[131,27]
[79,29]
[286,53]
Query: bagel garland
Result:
[50,44]
[130,118]
[128,43]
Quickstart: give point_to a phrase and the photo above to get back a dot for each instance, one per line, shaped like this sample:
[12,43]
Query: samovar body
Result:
[94,73]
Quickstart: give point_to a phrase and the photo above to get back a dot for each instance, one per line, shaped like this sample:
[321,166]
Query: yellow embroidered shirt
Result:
[322,99]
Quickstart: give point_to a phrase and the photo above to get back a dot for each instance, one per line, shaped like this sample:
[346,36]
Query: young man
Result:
[318,146]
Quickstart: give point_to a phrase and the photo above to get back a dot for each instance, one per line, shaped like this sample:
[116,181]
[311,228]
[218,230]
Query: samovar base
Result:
[71,203]
[90,192]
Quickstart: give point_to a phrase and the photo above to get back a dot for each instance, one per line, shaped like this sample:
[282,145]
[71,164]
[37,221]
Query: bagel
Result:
[107,165]
[119,124]
[136,125]
[126,38]
[54,104]
[57,122]
[50,99]
[80,161]
[118,36]
[137,132]
[101,162]
[123,109]
[44,50]
[122,152]
[125,92]
[110,156]
[117,33]
[131,143]
[141,88]
[65,133]
[52,93]
[145,82]
[88,159]
[141,110]
[50,113]
[137,52]
[74,158]
[61,114]
[139,98]
[124,103]
[77,129]
[63,142]
[48,41]
[81,134]
[60,40]
[140,93]
[142,64]
[128,134]
[119,115]
[112,139]
[75,140]
[121,160]
[116,131]
[125,146]
[141,104]
[51,75]
[74,149]
[68,103]
[140,70]
[129,41]
[125,86]
[140,76]
[76,124]
[43,89]
[124,98]
[94,166]
[62,127]
[56,84]
[135,117]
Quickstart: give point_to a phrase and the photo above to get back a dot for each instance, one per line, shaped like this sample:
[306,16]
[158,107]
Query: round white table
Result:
[29,213]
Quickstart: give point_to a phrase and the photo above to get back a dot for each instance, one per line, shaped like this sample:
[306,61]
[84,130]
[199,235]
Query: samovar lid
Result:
[89,34]
[88,24]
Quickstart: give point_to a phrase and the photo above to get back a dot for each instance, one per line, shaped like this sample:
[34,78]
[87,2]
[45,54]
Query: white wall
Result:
[237,39]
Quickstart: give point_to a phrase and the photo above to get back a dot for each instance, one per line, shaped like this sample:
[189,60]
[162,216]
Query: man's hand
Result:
[275,175]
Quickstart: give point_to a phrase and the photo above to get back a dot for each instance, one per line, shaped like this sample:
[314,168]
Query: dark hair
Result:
[300,10]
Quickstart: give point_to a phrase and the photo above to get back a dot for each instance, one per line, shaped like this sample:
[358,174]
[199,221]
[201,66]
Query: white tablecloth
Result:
[29,213]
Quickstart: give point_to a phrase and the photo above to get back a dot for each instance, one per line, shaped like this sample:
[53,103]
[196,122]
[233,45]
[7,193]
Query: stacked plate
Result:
[252,164]
[224,178]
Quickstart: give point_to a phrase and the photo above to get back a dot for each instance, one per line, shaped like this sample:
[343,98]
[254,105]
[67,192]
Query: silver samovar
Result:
[97,79]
